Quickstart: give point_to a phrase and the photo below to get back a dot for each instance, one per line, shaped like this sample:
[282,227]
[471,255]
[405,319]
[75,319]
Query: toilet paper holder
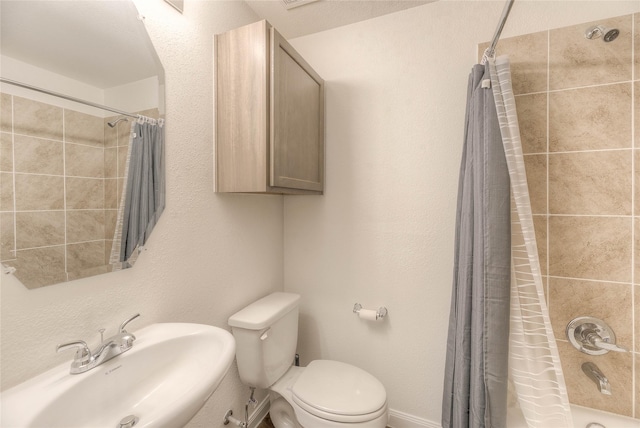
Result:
[380,313]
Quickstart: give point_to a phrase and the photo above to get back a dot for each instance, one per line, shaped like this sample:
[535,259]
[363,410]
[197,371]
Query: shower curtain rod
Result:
[69,98]
[496,36]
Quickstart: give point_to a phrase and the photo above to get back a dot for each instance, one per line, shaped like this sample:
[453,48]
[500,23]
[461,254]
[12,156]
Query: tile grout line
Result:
[570,278]
[576,88]
[66,176]
[61,210]
[59,245]
[64,190]
[52,141]
[571,152]
[13,180]
[589,215]
[634,310]
[104,183]
[548,243]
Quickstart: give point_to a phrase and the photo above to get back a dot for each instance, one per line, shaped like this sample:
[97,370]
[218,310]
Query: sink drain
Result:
[595,425]
[128,421]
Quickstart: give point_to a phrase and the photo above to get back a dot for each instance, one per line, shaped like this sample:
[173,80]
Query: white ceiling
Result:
[103,44]
[325,14]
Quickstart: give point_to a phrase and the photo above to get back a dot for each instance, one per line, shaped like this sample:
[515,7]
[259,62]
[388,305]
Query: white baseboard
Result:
[397,419]
[404,420]
[259,413]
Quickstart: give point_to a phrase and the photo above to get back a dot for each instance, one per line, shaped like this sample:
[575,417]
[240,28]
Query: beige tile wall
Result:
[577,103]
[53,227]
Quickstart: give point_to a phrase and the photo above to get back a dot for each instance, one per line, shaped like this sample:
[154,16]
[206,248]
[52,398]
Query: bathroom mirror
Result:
[62,162]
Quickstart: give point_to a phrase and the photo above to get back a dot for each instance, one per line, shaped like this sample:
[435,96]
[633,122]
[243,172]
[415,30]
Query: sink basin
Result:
[163,380]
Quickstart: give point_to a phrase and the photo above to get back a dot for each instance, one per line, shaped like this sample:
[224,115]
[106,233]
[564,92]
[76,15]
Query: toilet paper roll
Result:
[368,314]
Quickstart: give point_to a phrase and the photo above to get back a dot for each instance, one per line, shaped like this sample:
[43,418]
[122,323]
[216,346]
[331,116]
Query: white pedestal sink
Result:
[163,380]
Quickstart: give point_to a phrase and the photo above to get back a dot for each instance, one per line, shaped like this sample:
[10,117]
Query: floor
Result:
[266,423]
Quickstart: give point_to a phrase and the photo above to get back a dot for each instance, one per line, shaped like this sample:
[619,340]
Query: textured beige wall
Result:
[383,232]
[576,100]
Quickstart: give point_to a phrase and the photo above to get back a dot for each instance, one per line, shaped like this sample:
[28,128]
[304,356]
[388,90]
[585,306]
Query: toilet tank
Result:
[266,334]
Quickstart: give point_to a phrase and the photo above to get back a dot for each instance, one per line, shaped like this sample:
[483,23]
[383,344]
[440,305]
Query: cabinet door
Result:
[242,109]
[297,120]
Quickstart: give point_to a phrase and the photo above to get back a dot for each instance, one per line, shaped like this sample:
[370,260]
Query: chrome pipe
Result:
[67,97]
[490,52]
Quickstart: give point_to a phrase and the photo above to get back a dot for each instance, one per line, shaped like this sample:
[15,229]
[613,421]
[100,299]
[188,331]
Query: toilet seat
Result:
[339,392]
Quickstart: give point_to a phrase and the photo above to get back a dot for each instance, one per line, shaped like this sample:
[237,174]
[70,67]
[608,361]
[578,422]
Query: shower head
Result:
[115,122]
[597,31]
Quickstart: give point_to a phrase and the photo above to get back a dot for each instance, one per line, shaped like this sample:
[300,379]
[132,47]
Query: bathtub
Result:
[582,418]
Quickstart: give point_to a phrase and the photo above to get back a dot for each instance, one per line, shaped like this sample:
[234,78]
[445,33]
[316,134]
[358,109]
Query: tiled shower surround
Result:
[59,175]
[578,103]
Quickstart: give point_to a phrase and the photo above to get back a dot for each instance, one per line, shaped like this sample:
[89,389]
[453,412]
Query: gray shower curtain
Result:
[144,198]
[475,386]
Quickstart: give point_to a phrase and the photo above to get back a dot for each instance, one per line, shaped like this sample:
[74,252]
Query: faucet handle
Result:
[592,336]
[598,342]
[127,321]
[82,354]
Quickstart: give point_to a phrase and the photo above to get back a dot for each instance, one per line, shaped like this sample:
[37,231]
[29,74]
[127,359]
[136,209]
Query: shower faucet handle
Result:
[598,342]
[592,336]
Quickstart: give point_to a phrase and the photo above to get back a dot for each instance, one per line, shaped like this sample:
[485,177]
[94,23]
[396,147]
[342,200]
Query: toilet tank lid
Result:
[264,312]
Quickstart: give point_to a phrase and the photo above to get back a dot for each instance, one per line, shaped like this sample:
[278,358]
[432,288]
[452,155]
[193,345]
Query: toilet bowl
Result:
[281,412]
[325,394]
[328,394]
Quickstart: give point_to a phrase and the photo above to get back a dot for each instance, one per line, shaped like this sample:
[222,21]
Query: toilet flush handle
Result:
[265,335]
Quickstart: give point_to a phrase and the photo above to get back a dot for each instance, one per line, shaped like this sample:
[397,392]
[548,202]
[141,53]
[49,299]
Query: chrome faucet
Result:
[594,373]
[592,336]
[85,359]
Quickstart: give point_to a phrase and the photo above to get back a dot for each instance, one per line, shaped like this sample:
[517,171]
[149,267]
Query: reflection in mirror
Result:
[63,163]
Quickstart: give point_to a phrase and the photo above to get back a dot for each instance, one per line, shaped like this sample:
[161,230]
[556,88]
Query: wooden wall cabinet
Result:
[269,115]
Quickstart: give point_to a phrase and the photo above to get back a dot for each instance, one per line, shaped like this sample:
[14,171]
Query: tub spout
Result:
[594,373]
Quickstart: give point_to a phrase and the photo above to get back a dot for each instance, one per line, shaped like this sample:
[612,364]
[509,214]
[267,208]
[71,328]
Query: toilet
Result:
[325,394]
